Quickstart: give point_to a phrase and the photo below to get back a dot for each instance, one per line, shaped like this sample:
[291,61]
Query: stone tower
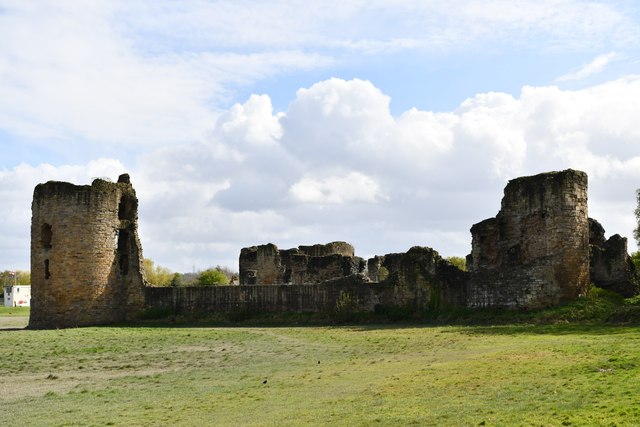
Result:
[535,252]
[86,257]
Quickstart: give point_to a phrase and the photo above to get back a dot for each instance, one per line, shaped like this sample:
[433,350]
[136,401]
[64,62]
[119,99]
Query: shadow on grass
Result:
[556,329]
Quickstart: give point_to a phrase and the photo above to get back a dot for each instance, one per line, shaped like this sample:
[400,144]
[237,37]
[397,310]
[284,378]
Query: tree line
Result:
[156,275]
[18,277]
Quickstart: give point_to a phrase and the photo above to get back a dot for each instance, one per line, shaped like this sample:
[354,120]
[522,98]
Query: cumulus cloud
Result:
[123,73]
[338,165]
[250,123]
[349,124]
[352,187]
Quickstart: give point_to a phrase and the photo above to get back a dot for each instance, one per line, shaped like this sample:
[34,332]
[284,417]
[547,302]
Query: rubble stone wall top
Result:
[268,265]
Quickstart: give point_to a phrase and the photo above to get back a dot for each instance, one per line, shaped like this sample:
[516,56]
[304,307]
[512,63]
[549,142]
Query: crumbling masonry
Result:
[535,252]
[85,254]
[540,250]
[305,265]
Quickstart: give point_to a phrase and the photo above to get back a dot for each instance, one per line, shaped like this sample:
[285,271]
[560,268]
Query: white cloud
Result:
[338,165]
[349,124]
[250,123]
[594,67]
[16,190]
[384,26]
[120,74]
[352,187]
[74,71]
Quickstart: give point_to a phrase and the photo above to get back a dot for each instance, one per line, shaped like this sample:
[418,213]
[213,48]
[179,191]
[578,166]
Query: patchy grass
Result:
[348,375]
[14,311]
[578,364]
[14,317]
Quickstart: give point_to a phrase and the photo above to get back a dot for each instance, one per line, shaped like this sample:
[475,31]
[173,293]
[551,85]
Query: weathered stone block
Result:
[610,265]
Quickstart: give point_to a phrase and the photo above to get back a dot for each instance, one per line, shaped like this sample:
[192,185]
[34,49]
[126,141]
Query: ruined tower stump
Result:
[535,252]
[85,254]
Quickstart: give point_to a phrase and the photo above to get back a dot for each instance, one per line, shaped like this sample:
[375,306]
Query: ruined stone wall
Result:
[261,265]
[351,294]
[535,252]
[611,267]
[267,265]
[333,248]
[85,254]
[420,279]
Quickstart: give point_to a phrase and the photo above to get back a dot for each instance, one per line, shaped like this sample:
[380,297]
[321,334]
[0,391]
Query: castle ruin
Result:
[86,257]
[305,265]
[540,250]
[535,252]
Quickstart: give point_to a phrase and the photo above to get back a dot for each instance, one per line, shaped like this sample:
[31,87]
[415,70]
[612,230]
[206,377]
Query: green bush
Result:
[635,257]
[458,261]
[383,273]
[212,277]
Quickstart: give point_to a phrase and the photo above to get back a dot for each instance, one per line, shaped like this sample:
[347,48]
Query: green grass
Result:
[572,365]
[14,311]
[14,317]
[401,375]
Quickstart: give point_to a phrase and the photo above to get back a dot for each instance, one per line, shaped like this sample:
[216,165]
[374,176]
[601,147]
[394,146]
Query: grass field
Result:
[393,374]
[14,317]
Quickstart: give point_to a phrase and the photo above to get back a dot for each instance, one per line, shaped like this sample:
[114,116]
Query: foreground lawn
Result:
[388,375]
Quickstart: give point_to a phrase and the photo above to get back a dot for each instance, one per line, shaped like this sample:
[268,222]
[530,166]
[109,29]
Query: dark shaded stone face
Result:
[267,265]
[610,264]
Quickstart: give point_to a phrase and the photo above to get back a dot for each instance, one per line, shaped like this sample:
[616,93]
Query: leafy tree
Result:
[21,277]
[176,280]
[156,275]
[458,261]
[212,277]
[635,257]
[189,279]
[383,273]
[24,278]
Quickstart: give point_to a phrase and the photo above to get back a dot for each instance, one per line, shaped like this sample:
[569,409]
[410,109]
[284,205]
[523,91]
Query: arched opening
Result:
[46,235]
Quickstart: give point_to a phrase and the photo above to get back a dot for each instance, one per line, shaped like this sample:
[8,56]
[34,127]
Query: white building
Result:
[17,296]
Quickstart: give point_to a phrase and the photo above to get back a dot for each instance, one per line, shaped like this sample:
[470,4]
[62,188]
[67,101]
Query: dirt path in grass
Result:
[13,322]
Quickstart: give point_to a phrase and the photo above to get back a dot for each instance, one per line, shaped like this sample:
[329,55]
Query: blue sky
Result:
[387,124]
